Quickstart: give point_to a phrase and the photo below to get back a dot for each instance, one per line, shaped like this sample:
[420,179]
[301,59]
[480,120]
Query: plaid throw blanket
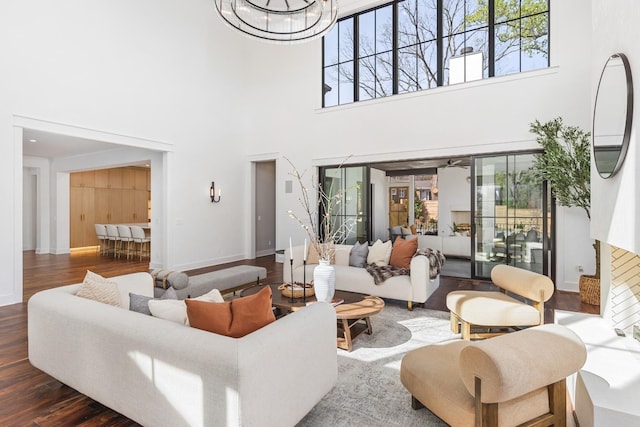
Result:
[380,273]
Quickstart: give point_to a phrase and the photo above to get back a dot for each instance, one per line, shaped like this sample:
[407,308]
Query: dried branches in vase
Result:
[323,227]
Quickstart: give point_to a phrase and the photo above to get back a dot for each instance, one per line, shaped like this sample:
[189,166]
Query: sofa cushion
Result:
[236,318]
[402,252]
[213,317]
[140,303]
[379,253]
[97,288]
[176,310]
[358,254]
[251,313]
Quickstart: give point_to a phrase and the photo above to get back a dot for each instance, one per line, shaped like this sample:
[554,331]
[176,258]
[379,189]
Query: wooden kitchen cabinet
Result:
[81,217]
[108,178]
[82,179]
[107,196]
[134,205]
[108,206]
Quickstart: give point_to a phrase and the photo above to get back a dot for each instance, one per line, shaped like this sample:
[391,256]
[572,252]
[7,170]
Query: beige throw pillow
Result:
[379,253]
[97,288]
[313,257]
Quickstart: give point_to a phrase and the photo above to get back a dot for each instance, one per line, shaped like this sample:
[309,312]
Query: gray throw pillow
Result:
[358,254]
[140,303]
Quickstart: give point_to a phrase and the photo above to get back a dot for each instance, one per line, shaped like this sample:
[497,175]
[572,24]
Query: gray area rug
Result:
[369,392]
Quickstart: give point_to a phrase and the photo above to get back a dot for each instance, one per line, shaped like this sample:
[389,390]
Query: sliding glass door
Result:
[512,216]
[353,212]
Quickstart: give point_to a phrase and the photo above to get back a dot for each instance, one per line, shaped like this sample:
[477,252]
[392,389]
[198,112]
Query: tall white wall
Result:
[453,195]
[615,202]
[478,117]
[160,70]
[171,72]
[380,209]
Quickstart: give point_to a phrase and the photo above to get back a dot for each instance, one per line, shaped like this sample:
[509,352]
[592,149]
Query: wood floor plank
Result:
[29,397]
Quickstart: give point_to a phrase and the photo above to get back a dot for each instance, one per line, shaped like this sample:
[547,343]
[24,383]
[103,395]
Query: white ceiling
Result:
[52,145]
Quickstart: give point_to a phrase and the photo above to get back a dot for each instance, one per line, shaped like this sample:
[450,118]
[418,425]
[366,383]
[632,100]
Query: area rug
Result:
[369,392]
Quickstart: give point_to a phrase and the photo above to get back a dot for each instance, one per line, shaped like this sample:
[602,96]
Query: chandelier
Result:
[280,21]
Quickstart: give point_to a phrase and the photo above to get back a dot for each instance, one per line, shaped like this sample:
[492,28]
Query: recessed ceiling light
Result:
[33,140]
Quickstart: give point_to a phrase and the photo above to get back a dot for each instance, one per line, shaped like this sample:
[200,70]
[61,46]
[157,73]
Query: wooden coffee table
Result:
[353,314]
[354,319]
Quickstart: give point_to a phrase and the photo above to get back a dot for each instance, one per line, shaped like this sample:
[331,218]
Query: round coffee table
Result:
[354,319]
[353,313]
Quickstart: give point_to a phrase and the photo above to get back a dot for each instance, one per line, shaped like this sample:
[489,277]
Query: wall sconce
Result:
[212,193]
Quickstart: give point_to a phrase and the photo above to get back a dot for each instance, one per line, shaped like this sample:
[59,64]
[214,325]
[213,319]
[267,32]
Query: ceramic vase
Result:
[324,280]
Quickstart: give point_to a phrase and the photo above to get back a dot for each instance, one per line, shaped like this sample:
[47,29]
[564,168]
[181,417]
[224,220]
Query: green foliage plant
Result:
[566,164]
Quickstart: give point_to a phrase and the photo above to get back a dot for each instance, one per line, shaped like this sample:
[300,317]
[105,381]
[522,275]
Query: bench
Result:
[226,281]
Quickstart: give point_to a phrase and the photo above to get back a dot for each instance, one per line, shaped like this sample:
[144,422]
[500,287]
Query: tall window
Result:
[411,45]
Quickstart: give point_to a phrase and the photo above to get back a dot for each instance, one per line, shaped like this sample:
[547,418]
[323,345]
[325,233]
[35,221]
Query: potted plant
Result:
[566,164]
[323,230]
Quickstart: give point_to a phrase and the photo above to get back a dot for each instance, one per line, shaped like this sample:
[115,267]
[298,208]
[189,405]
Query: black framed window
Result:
[412,45]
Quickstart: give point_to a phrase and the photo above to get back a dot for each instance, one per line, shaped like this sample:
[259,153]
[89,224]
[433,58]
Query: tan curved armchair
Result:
[508,380]
[482,314]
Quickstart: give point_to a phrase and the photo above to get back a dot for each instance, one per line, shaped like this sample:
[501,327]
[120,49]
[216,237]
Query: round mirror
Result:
[612,115]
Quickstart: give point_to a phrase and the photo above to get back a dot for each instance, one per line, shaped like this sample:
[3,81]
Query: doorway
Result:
[351,219]
[398,206]
[512,218]
[265,208]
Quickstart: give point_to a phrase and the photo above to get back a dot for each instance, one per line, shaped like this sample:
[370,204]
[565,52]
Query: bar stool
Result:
[103,238]
[112,233]
[125,237]
[139,237]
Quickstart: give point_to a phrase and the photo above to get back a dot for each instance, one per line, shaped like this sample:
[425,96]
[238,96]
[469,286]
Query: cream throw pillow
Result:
[97,288]
[379,253]
[176,310]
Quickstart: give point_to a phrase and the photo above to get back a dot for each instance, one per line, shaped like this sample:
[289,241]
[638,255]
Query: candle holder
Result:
[291,263]
[304,281]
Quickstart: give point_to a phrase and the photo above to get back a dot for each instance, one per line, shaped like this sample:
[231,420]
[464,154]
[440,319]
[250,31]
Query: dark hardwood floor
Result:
[29,397]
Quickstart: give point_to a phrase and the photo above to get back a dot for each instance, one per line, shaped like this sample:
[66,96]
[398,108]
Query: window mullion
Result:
[439,44]
[356,59]
[394,48]
[492,39]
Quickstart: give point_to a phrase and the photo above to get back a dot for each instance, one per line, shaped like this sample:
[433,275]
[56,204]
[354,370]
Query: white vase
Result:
[324,280]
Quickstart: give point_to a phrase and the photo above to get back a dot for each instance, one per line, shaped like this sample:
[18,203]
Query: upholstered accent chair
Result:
[519,302]
[513,379]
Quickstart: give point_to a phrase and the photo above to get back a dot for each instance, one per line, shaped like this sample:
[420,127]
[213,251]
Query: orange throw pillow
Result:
[251,313]
[210,316]
[236,318]
[402,252]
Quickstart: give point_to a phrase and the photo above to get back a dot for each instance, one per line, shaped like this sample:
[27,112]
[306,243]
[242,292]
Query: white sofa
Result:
[417,287]
[161,373]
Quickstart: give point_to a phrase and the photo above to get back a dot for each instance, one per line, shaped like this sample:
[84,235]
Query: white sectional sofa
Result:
[161,373]
[414,288]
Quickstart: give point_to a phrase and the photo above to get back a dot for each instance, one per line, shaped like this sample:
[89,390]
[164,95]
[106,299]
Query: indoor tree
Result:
[566,164]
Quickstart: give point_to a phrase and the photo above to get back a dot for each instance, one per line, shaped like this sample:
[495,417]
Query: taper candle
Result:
[304,254]
[290,249]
